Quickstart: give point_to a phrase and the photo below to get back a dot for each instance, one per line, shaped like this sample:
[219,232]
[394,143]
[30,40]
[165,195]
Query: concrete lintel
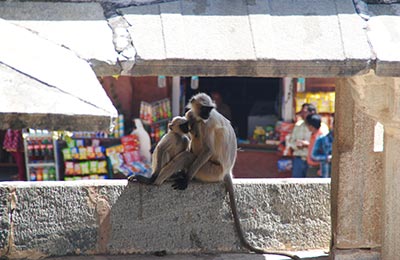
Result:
[387,68]
[252,68]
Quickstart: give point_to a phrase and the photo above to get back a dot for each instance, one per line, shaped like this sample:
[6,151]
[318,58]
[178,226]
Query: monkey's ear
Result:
[170,126]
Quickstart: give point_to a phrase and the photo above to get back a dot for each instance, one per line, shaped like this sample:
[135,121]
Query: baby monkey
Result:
[170,145]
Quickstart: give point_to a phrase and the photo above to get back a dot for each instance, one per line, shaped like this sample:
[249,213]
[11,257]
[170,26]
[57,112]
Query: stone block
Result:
[5,223]
[357,254]
[114,217]
[357,173]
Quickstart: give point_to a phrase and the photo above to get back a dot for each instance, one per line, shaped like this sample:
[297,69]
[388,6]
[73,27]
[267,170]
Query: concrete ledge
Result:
[113,217]
[356,254]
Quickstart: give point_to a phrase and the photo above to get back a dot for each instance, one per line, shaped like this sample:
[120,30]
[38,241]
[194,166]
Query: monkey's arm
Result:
[202,157]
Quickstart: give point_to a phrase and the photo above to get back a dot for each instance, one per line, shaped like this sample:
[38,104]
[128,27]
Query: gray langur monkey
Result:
[211,157]
[170,145]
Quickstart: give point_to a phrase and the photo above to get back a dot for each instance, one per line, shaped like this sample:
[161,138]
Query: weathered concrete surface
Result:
[64,88]
[214,38]
[357,175]
[384,35]
[391,205]
[259,38]
[304,255]
[5,223]
[357,254]
[81,27]
[113,217]
[365,183]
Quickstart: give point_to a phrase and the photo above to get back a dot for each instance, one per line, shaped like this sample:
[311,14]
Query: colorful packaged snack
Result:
[82,153]
[130,142]
[69,168]
[84,167]
[116,161]
[77,168]
[80,142]
[67,154]
[75,153]
[102,167]
[95,142]
[70,142]
[90,152]
[131,156]
[99,150]
[115,149]
[93,166]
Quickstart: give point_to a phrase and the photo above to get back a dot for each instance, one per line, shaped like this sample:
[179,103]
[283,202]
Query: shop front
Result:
[278,40]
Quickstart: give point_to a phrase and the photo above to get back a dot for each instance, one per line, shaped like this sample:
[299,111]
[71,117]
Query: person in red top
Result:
[313,123]
[13,144]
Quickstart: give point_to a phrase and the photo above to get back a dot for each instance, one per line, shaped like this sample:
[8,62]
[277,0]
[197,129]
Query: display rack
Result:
[155,116]
[84,160]
[41,157]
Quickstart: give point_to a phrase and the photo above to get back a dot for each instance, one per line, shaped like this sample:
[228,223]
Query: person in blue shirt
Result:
[322,153]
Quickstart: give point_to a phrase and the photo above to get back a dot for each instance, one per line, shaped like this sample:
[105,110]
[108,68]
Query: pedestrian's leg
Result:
[297,167]
[19,160]
[304,168]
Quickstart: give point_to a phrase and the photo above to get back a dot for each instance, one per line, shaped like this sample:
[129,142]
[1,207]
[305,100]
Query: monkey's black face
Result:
[205,112]
[184,127]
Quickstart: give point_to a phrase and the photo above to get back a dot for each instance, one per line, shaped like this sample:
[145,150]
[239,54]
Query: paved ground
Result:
[306,255]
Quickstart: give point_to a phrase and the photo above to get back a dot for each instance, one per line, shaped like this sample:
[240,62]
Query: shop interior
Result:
[263,111]
[245,97]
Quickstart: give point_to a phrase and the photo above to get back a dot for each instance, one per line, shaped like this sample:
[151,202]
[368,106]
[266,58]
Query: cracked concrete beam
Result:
[123,43]
[80,27]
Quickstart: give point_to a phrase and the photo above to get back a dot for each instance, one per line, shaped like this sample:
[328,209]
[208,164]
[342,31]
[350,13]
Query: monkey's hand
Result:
[181,182]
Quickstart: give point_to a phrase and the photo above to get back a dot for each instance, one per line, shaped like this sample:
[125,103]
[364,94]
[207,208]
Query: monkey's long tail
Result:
[245,243]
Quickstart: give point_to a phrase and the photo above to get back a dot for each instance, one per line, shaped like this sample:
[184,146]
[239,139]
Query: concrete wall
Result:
[114,217]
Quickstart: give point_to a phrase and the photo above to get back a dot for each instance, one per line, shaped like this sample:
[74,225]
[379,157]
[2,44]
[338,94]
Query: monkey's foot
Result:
[180,183]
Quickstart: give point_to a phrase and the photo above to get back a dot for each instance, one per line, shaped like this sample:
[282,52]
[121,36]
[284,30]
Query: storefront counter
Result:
[258,161]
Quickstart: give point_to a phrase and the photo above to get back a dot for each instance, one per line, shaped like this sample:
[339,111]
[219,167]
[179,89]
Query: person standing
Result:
[222,107]
[298,142]
[13,143]
[313,123]
[322,153]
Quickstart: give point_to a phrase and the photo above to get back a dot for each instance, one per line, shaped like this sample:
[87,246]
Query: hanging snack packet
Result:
[75,153]
[67,154]
[69,168]
[90,152]
[102,167]
[99,150]
[77,168]
[82,153]
[85,167]
[93,166]
[80,142]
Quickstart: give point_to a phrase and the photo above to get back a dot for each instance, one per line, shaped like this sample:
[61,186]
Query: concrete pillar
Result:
[287,104]
[357,176]
[176,93]
[391,205]
[366,181]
